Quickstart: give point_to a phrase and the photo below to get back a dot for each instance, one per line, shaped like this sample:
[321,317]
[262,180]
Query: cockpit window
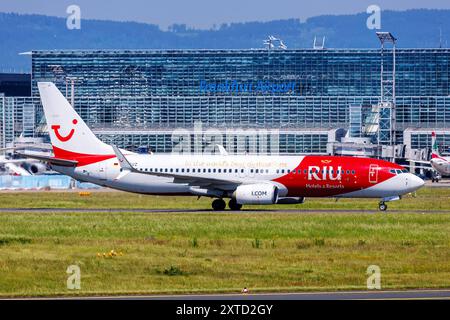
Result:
[398,171]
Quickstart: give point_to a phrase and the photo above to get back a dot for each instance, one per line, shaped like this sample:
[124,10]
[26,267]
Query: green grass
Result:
[218,252]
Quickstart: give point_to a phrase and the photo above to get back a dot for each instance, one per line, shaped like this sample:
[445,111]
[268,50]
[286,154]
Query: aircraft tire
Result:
[382,206]
[233,205]
[218,205]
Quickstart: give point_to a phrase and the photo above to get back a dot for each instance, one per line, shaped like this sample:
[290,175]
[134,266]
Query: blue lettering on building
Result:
[236,87]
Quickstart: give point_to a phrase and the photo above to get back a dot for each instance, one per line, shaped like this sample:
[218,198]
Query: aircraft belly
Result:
[142,183]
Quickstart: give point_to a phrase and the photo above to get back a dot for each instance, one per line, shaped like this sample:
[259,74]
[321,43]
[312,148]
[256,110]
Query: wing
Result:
[4,161]
[221,184]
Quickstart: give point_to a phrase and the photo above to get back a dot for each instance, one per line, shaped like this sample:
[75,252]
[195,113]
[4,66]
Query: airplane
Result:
[21,167]
[244,179]
[11,167]
[439,163]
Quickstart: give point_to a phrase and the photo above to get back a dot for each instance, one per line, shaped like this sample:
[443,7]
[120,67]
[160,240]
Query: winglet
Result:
[123,162]
[125,165]
[222,150]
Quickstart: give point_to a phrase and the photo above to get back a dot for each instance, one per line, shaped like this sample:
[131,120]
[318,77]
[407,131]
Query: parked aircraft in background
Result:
[22,167]
[439,163]
[244,179]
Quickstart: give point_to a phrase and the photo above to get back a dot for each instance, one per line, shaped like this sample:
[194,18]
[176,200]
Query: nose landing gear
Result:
[383,206]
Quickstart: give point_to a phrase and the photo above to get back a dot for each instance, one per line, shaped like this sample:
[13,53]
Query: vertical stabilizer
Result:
[69,134]
[434,146]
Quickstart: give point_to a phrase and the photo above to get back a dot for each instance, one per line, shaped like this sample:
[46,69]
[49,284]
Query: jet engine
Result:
[36,168]
[260,193]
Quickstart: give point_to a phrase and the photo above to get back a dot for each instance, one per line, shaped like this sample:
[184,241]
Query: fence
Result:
[8,182]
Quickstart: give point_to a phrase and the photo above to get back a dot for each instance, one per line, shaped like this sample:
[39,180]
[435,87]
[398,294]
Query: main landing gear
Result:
[219,205]
[382,206]
[233,205]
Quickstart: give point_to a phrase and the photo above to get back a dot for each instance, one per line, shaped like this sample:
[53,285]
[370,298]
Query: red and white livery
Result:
[439,163]
[244,179]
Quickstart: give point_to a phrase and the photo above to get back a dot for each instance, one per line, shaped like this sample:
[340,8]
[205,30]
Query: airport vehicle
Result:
[244,179]
[439,163]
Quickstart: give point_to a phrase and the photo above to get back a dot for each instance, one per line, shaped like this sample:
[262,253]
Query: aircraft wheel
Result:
[233,205]
[382,206]
[218,205]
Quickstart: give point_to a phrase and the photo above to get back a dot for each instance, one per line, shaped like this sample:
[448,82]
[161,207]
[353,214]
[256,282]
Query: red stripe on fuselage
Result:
[82,158]
[324,183]
[436,156]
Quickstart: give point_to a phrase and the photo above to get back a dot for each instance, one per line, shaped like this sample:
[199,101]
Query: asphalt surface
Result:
[339,295]
[199,211]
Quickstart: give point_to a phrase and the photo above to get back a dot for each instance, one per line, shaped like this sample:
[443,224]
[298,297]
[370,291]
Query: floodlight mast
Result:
[387,82]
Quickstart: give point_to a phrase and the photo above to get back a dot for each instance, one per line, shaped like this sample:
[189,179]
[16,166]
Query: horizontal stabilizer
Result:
[51,160]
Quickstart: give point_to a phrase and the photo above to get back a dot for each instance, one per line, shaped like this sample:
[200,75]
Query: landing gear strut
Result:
[382,206]
[233,205]
[218,205]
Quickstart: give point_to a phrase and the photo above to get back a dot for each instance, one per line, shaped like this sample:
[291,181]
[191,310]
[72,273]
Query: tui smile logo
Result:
[61,138]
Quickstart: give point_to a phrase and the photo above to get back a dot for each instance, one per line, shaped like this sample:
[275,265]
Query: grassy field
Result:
[218,252]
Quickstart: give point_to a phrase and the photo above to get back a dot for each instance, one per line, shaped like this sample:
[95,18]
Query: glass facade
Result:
[423,140]
[294,89]
[17,117]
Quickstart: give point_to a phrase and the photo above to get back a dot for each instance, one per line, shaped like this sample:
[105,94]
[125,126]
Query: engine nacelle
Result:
[37,168]
[261,193]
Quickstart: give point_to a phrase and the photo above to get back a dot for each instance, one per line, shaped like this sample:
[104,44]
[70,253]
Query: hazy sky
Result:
[206,13]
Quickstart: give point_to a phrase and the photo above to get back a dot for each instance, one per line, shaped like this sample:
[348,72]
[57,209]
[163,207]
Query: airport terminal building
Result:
[315,98]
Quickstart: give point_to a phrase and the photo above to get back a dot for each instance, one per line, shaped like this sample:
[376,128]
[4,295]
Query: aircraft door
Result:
[373,173]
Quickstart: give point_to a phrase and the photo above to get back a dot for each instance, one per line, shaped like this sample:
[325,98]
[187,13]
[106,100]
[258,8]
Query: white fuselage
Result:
[238,170]
[441,165]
